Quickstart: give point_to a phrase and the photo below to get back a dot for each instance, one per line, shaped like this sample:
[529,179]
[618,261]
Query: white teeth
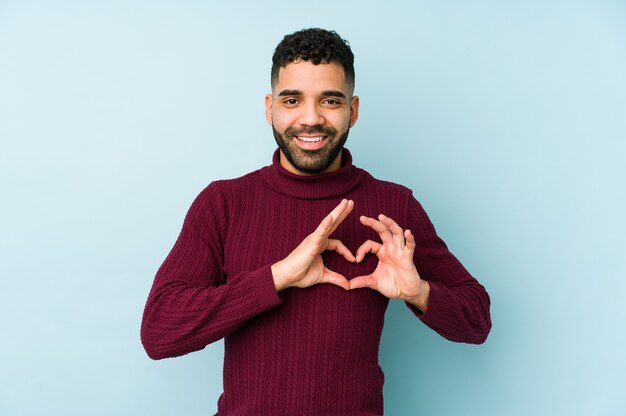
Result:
[311,139]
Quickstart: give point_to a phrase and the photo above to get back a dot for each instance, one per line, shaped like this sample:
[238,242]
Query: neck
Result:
[324,185]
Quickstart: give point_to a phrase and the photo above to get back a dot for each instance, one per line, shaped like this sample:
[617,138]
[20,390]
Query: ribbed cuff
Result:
[266,296]
[436,298]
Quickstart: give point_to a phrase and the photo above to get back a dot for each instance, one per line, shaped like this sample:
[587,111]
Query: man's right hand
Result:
[304,267]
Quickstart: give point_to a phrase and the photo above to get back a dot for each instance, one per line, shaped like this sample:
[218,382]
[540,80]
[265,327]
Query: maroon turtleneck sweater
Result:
[310,351]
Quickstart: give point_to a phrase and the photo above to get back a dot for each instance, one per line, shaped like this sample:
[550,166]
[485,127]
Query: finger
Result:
[321,231]
[367,247]
[339,247]
[325,227]
[335,279]
[342,216]
[410,240]
[363,281]
[379,227]
[394,228]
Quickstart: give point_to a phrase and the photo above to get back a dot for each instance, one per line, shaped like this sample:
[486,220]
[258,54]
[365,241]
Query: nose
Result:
[311,115]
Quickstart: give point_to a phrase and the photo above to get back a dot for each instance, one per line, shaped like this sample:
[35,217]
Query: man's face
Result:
[311,110]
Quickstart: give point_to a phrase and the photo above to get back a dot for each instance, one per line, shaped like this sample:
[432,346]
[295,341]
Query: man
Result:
[300,303]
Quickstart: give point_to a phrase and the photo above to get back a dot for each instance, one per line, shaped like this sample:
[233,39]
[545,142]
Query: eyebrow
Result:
[284,93]
[327,93]
[333,93]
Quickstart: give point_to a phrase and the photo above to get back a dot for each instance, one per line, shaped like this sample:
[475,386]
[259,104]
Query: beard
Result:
[310,161]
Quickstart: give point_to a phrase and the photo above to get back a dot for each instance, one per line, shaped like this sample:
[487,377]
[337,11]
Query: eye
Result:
[290,101]
[331,101]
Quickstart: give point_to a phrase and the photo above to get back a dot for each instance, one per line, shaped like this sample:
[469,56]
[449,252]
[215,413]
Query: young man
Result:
[300,303]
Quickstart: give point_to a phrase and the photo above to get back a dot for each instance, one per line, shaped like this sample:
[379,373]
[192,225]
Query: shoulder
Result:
[225,189]
[388,188]
[397,199]
[216,200]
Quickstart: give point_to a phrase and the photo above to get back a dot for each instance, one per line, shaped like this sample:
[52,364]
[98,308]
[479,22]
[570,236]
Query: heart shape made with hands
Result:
[395,275]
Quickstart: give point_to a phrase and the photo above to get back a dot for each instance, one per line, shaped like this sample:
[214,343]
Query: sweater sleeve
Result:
[192,302]
[458,306]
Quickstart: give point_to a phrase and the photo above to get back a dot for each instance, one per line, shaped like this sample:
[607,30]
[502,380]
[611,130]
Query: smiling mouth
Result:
[312,139]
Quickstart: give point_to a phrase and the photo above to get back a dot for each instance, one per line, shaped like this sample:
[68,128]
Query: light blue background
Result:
[507,119]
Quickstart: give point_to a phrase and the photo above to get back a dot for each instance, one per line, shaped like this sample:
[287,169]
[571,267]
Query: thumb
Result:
[335,278]
[363,281]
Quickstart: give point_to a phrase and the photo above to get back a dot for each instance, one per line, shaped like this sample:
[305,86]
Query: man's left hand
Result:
[395,276]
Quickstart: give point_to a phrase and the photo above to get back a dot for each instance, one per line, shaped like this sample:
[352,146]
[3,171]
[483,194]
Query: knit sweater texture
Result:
[310,351]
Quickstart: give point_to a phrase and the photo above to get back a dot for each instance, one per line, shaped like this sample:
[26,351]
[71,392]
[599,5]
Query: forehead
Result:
[307,77]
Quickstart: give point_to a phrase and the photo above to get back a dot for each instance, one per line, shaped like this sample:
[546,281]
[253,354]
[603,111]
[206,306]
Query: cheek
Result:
[340,121]
[279,120]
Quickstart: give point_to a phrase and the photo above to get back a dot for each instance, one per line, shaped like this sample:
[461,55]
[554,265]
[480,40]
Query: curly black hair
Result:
[318,46]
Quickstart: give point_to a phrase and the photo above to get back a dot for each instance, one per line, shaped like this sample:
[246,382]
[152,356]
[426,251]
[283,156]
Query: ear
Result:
[354,110]
[269,103]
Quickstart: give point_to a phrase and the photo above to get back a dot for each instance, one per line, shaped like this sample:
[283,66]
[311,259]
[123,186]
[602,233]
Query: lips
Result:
[311,139]
[311,143]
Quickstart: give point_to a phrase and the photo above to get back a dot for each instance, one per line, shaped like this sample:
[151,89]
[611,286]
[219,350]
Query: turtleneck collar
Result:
[324,185]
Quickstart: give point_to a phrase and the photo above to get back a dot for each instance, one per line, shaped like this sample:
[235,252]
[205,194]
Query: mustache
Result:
[324,131]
